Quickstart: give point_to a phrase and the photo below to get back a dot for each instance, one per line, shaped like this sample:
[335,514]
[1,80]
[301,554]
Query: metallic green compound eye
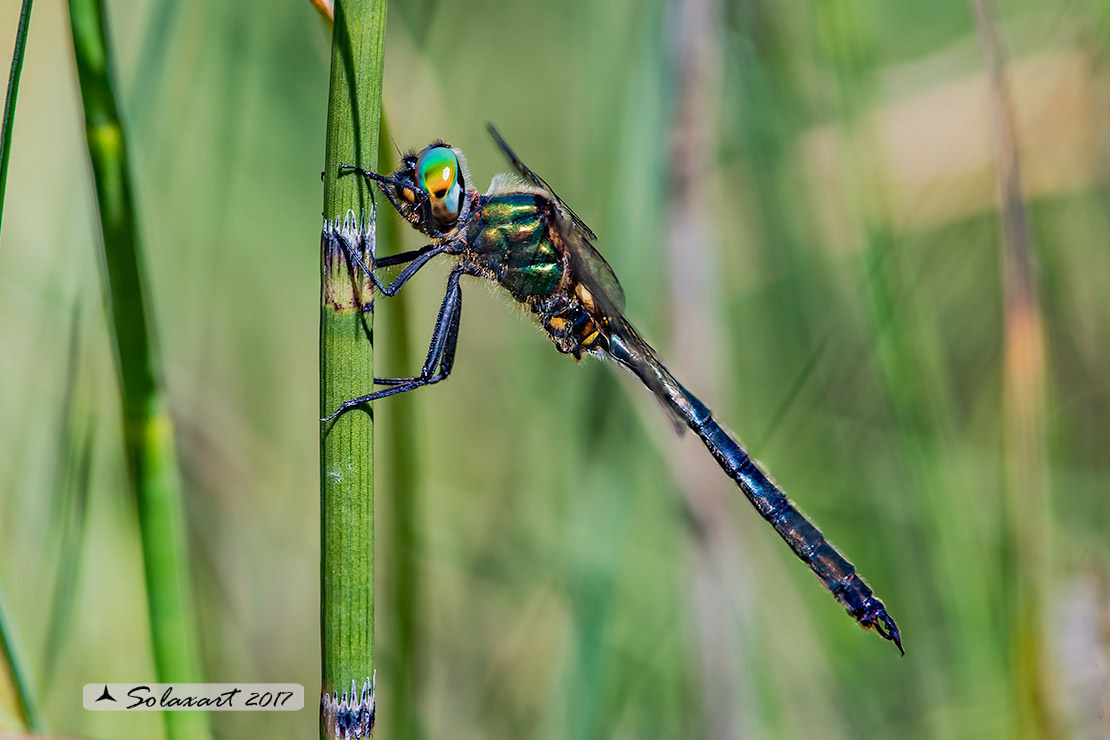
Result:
[438,168]
[437,171]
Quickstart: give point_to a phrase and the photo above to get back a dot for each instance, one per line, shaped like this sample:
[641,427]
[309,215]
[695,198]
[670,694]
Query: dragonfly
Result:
[521,235]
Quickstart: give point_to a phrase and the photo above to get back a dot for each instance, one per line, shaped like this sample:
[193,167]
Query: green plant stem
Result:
[15,669]
[9,99]
[9,650]
[347,366]
[147,428]
[401,450]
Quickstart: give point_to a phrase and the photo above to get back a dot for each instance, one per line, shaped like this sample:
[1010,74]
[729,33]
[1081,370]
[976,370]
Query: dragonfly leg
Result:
[402,257]
[441,352]
[408,272]
[416,258]
[387,185]
[445,337]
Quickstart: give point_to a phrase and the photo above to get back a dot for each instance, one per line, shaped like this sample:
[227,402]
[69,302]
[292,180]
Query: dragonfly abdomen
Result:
[803,537]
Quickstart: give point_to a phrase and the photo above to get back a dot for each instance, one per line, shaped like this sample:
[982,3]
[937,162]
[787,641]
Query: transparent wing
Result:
[532,177]
[626,346]
[589,266]
[591,269]
[630,351]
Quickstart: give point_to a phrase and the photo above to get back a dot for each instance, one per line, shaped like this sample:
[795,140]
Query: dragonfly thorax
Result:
[513,239]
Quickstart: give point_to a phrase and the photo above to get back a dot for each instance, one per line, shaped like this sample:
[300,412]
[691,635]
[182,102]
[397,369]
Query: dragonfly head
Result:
[429,189]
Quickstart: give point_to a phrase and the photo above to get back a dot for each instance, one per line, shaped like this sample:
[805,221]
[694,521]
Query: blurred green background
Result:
[800,200]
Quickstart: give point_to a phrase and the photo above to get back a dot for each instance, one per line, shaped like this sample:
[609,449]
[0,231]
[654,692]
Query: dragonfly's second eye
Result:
[438,173]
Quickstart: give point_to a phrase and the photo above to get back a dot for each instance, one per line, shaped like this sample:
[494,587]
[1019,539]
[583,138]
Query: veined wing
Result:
[527,173]
[589,266]
[625,345]
[634,354]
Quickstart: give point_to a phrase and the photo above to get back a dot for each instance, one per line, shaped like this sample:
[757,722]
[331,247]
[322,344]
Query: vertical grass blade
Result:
[147,429]
[9,99]
[401,451]
[13,669]
[148,82]
[1023,412]
[10,652]
[346,371]
[72,519]
[727,702]
[69,496]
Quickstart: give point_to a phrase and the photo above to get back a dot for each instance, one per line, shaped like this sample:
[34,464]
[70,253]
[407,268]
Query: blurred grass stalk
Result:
[1023,412]
[909,351]
[147,428]
[69,497]
[11,653]
[401,450]
[728,706]
[346,371]
[9,99]
[15,678]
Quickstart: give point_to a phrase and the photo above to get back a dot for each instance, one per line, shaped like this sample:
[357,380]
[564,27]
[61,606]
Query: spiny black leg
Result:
[370,176]
[445,351]
[409,271]
[447,362]
[452,302]
[411,385]
[402,257]
[388,185]
[441,352]
[419,258]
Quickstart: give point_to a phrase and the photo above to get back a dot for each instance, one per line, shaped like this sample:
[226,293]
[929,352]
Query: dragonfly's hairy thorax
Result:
[510,241]
[514,241]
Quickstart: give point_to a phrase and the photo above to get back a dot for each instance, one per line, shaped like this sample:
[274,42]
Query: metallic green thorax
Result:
[511,238]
